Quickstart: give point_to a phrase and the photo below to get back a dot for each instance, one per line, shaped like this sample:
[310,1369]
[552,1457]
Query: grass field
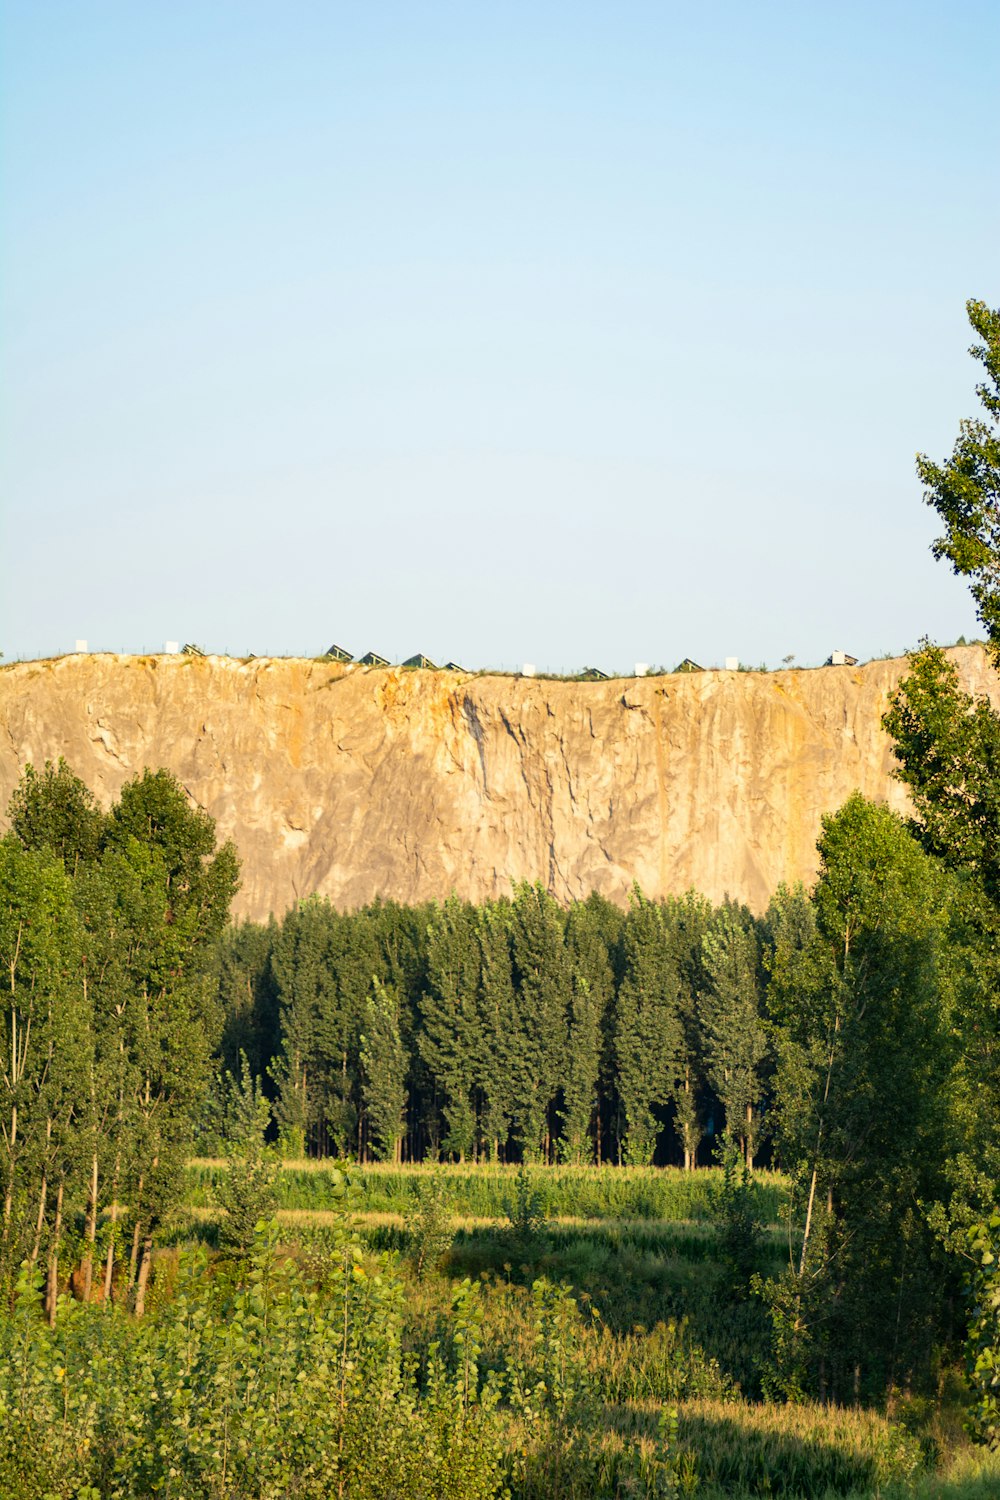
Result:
[652,1331]
[613,1193]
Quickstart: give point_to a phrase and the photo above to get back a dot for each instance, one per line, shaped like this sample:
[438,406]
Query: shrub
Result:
[267,1388]
[527,1214]
[983,1346]
[428,1225]
[248,1193]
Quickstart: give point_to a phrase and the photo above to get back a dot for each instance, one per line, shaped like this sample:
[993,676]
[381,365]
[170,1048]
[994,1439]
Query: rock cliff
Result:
[356,782]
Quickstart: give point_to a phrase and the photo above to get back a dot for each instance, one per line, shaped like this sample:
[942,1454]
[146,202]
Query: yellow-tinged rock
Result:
[359,782]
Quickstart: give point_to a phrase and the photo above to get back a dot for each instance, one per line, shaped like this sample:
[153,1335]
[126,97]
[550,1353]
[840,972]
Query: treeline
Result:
[851,1033]
[108,1022]
[514,1030]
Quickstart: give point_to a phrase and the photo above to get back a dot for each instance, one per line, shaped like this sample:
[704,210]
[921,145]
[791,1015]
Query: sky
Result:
[563,333]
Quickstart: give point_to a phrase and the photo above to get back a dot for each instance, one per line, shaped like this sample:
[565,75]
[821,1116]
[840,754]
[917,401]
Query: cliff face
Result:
[357,782]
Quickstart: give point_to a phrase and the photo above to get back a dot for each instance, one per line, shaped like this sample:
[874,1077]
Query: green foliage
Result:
[383,1072]
[735,1042]
[449,1038]
[268,1388]
[983,1348]
[736,1204]
[663,1194]
[541,983]
[527,1212]
[648,1031]
[864,1055]
[109,1018]
[428,1224]
[799,1451]
[965,489]
[947,744]
[247,1194]
[53,810]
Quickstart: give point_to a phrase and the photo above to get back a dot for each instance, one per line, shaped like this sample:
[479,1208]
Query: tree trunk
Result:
[809,1214]
[8,1201]
[90,1232]
[52,1286]
[39,1221]
[134,1256]
[142,1280]
[109,1265]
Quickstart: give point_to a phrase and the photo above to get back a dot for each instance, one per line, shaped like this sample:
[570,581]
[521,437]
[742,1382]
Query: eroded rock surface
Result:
[357,782]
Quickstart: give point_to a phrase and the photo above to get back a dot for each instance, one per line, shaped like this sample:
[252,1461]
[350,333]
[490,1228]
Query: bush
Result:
[267,1389]
[527,1215]
[248,1193]
[737,1213]
[983,1347]
[428,1225]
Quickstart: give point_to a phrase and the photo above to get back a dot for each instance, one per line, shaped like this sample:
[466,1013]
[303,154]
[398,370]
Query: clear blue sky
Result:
[562,333]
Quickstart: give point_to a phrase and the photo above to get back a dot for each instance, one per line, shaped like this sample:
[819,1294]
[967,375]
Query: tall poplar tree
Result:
[688,918]
[648,1029]
[449,1039]
[541,977]
[865,1046]
[383,1073]
[735,1037]
[591,991]
[499,1022]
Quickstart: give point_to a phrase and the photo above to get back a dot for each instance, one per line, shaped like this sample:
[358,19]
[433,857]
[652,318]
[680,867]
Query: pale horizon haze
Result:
[568,334]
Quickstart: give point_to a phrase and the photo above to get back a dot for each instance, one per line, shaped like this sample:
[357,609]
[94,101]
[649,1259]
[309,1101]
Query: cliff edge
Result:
[356,782]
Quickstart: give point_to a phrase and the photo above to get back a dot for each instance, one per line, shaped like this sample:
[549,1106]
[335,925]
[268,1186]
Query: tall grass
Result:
[659,1330]
[599,1193]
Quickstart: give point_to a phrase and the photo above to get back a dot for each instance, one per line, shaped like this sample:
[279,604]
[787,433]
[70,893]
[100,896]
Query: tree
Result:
[44,1041]
[54,810]
[689,917]
[648,1032]
[965,489]
[861,1017]
[383,1072]
[498,1024]
[248,1192]
[590,995]
[172,890]
[449,1039]
[735,1039]
[541,980]
[947,745]
[323,962]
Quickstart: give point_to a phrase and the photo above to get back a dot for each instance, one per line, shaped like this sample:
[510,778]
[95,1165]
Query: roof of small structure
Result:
[420,661]
[338,653]
[372,659]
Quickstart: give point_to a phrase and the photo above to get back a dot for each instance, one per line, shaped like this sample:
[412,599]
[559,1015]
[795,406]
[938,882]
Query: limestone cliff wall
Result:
[356,782]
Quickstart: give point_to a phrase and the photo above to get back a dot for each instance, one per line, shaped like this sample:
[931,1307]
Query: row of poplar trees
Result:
[512,1030]
[110,1018]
